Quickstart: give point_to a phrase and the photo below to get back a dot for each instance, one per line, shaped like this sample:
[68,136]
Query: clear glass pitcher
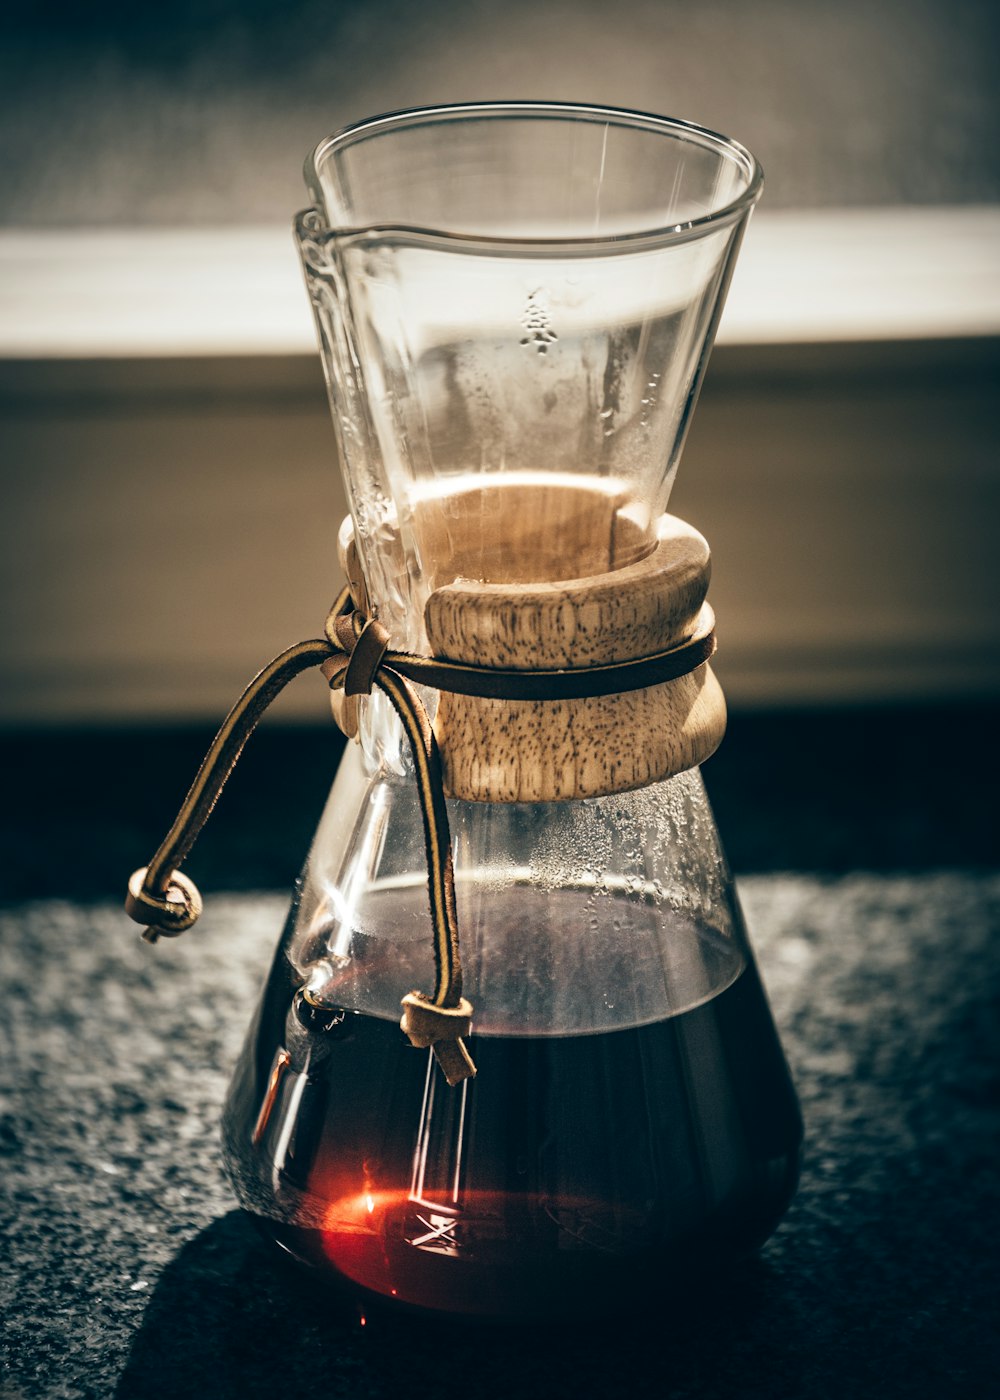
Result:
[516,304]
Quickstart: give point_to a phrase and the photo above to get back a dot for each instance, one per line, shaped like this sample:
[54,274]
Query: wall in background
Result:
[166,458]
[170,524]
[201,111]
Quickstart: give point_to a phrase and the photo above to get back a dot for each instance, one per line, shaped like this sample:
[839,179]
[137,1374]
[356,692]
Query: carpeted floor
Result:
[128,1272]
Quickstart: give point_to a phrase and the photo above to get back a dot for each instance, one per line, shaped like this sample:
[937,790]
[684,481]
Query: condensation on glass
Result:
[514,299]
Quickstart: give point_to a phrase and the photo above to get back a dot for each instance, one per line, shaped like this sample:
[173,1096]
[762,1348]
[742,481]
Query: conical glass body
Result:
[531,317]
[632,1121]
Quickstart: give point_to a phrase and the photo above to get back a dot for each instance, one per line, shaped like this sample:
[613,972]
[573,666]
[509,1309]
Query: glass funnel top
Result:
[545,172]
[513,295]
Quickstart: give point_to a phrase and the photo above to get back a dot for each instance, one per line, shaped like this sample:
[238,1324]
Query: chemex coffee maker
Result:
[513,1058]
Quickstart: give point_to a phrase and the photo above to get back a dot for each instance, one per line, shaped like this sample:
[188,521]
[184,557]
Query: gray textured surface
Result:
[198,112]
[127,1273]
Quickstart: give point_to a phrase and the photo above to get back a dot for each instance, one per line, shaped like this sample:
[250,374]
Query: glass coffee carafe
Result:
[515,305]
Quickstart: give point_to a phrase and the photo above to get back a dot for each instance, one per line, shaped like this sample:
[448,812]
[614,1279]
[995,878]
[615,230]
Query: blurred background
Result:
[168,466]
[170,499]
[200,111]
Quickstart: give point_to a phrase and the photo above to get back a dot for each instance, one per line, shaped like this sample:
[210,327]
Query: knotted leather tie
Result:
[355,656]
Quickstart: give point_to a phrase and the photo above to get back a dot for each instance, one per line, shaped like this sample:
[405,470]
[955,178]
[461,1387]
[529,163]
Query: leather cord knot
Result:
[168,914]
[351,655]
[442,1020]
[354,655]
[444,1029]
[366,641]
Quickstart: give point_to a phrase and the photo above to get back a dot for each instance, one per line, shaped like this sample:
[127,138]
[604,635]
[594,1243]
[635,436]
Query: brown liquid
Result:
[574,1174]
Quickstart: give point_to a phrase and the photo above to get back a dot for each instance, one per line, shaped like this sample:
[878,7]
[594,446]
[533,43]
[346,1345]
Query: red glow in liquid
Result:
[574,1175]
[479,1259]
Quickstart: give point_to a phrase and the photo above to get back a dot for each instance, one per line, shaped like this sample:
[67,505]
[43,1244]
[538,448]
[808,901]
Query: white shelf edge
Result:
[804,277]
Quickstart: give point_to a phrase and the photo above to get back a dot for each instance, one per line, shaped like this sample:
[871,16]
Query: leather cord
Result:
[355,656]
[610,678]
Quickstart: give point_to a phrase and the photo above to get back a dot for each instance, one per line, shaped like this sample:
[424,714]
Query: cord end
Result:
[166,915]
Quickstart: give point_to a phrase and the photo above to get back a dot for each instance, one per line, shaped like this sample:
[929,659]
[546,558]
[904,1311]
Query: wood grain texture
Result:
[564,576]
[615,614]
[350,562]
[553,751]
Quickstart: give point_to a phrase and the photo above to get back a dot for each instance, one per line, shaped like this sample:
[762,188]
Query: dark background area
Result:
[188,113]
[127,1272]
[828,792]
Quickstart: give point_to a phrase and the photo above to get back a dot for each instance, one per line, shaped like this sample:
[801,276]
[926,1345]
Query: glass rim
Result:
[655,234]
